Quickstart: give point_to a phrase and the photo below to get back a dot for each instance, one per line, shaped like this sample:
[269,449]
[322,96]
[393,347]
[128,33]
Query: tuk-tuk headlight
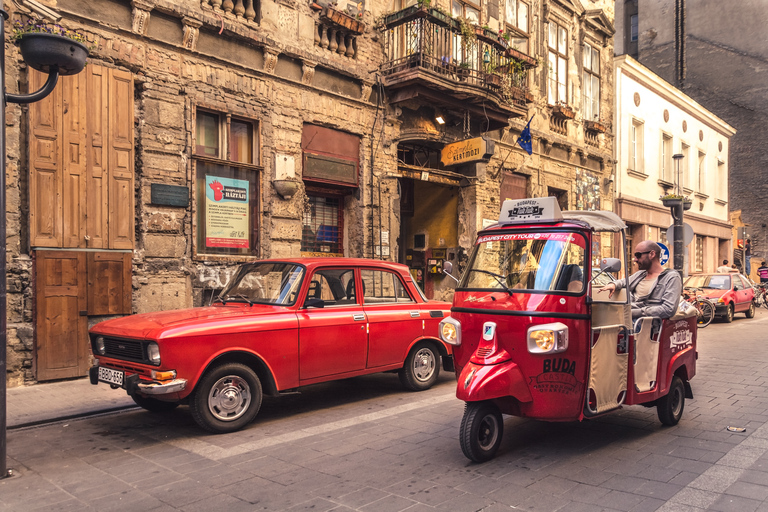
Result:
[450,331]
[548,338]
[153,353]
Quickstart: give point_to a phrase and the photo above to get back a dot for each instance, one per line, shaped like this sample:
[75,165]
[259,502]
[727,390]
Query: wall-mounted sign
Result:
[169,195]
[465,151]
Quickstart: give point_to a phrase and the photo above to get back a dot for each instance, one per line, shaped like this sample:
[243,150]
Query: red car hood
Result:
[713,294]
[194,321]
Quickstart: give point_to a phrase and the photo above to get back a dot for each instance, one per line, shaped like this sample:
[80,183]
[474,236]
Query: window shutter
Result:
[44,166]
[97,205]
[121,211]
[73,159]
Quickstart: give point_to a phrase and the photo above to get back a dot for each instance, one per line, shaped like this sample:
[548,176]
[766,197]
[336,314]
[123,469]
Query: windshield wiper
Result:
[499,278]
[234,298]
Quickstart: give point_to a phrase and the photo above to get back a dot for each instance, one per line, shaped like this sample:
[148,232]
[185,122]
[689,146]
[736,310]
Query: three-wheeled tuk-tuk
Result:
[533,337]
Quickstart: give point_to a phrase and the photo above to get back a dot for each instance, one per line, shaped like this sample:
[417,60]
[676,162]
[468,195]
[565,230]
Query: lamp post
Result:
[677,218]
[57,55]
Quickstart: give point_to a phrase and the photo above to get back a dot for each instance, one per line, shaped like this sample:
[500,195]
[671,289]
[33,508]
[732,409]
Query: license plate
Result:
[111,376]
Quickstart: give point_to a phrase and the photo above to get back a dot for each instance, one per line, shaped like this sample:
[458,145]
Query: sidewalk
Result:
[28,405]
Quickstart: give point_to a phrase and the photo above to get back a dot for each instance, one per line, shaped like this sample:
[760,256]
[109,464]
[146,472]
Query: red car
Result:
[731,292]
[276,326]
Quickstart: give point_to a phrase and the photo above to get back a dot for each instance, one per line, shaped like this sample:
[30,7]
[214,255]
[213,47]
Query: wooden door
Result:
[61,325]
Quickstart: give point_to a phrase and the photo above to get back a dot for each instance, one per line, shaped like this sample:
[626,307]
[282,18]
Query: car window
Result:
[264,283]
[380,286]
[717,282]
[738,284]
[334,286]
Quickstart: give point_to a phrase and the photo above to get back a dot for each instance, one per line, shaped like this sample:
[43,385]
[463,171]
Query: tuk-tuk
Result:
[533,337]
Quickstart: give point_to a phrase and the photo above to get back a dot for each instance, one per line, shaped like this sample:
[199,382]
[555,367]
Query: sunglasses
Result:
[638,254]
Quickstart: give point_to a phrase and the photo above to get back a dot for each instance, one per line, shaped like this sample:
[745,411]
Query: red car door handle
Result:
[415,314]
[359,316]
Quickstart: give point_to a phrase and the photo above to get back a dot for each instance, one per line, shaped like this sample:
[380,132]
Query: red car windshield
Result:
[533,261]
[264,283]
[716,282]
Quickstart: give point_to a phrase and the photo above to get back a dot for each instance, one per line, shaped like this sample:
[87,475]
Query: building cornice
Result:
[644,76]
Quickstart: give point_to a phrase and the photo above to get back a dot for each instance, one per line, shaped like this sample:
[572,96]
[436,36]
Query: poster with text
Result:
[226,212]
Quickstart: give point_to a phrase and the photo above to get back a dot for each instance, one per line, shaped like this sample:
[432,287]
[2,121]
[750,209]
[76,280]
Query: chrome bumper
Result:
[157,388]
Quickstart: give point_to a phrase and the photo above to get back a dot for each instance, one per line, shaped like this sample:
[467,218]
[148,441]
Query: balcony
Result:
[434,59]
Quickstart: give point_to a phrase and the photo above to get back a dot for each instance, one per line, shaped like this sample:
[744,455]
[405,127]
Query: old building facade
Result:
[717,57]
[655,121]
[205,134]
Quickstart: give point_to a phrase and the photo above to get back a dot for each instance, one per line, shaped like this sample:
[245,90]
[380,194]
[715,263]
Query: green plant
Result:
[424,3]
[32,27]
[468,36]
[674,196]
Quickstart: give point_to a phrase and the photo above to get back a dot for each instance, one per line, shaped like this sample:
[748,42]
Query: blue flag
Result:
[524,140]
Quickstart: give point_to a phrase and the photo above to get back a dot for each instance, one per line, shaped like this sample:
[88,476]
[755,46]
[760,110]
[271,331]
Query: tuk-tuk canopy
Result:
[546,209]
[597,220]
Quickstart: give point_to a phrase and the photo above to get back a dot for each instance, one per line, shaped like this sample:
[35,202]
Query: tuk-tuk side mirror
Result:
[610,265]
[447,269]
[314,303]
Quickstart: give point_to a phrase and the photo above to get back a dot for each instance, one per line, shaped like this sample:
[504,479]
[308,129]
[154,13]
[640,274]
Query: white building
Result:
[653,121]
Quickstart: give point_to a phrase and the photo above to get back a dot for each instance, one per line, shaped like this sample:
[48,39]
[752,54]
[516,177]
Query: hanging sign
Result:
[465,151]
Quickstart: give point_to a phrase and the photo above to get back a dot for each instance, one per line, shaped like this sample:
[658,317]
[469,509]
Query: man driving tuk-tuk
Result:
[533,338]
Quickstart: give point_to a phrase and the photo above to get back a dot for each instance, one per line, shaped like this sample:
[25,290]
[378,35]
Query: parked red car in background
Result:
[731,293]
[276,326]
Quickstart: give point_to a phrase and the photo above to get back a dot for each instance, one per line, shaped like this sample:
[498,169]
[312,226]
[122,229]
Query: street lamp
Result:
[56,55]
[677,218]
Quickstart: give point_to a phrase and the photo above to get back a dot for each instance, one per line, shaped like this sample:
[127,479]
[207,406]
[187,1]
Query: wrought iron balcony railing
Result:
[453,50]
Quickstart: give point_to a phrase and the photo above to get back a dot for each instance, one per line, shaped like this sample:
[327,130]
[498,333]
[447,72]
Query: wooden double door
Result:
[70,286]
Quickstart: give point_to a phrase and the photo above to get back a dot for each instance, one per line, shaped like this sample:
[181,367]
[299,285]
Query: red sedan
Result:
[731,293]
[278,325]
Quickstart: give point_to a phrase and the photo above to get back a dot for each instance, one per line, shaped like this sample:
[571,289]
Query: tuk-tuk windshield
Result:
[538,262]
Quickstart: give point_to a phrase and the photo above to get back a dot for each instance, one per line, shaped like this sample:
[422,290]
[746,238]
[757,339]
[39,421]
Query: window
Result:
[591,83]
[323,224]
[633,28]
[699,259]
[683,171]
[226,186]
[517,24]
[383,287]
[335,287]
[466,10]
[636,146]
[558,64]
[702,173]
[666,158]
[465,53]
[722,180]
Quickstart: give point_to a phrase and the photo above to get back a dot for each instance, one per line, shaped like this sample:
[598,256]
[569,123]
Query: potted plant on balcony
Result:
[562,110]
[526,59]
[671,200]
[45,46]
[463,71]
[595,126]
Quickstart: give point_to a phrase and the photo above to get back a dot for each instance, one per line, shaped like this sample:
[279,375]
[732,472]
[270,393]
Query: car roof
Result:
[313,262]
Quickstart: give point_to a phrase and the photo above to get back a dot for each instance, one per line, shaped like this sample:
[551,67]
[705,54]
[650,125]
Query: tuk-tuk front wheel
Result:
[481,430]
[670,407]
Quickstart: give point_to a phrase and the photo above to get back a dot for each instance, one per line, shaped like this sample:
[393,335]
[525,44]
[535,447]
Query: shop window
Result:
[591,83]
[226,184]
[323,225]
[517,24]
[557,59]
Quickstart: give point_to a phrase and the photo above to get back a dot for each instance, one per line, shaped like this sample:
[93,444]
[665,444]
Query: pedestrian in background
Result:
[724,267]
[748,256]
[762,271]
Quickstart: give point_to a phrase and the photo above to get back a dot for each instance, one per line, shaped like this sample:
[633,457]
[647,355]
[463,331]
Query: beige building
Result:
[317,123]
[654,121]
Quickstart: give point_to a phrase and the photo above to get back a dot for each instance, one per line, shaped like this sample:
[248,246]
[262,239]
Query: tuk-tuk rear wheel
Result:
[481,430]
[670,407]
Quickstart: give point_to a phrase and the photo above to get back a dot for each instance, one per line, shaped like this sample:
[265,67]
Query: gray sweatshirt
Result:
[663,300]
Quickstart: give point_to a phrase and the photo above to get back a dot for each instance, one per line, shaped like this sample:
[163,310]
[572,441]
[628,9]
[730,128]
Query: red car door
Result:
[394,317]
[333,339]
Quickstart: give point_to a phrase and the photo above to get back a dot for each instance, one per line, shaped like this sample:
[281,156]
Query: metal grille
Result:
[124,349]
[484,352]
[323,225]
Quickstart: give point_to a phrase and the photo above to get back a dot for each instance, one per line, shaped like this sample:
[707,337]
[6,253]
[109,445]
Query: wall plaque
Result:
[169,195]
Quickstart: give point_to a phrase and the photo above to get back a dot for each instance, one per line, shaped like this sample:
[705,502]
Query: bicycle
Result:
[705,308]
[761,294]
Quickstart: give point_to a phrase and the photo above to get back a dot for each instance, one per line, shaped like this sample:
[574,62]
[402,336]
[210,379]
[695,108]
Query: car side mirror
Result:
[447,269]
[314,303]
[610,265]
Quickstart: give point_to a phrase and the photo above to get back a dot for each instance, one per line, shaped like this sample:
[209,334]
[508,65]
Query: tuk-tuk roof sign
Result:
[547,209]
[523,211]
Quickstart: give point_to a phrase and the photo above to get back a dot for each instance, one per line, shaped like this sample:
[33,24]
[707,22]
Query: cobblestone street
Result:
[363,444]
